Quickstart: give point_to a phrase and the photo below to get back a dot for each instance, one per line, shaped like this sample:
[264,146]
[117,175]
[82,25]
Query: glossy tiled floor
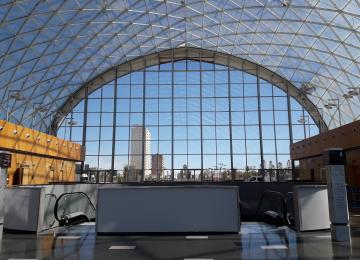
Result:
[254,241]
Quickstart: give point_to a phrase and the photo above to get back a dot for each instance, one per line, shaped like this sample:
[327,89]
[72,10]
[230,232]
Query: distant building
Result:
[131,174]
[185,173]
[157,166]
[140,152]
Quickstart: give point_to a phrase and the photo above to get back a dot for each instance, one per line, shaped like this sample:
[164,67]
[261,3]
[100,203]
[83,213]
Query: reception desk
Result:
[168,209]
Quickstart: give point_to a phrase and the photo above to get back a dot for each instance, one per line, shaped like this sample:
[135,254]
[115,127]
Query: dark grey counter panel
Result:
[168,209]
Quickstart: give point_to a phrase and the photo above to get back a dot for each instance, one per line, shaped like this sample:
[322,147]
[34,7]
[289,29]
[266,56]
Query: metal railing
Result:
[49,206]
[272,207]
[73,208]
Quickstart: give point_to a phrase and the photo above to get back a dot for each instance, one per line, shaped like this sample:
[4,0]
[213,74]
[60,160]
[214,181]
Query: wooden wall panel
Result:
[346,137]
[40,170]
[19,138]
[38,158]
[309,153]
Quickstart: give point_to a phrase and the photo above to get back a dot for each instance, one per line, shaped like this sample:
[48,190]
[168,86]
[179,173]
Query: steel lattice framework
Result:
[50,49]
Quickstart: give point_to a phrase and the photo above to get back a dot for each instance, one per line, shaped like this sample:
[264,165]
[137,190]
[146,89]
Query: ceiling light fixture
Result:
[72,122]
[17,96]
[353,91]
[286,3]
[301,120]
[347,96]
[329,105]
[41,109]
[308,88]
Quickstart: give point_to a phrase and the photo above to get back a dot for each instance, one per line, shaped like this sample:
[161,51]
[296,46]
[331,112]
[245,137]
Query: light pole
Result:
[221,166]
[330,105]
[303,120]
[56,118]
[17,97]
[37,107]
[321,123]
[214,172]
[71,123]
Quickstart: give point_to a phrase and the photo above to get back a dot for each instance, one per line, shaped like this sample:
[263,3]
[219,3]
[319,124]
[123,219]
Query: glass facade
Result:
[50,49]
[189,121]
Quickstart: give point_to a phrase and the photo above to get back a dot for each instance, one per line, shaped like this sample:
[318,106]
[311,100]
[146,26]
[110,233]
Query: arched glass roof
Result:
[49,48]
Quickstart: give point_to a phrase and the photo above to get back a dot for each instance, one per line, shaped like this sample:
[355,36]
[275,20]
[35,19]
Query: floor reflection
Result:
[254,241]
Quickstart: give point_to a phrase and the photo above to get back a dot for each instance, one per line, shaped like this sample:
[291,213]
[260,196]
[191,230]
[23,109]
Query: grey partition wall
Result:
[168,209]
[24,209]
[31,208]
[311,207]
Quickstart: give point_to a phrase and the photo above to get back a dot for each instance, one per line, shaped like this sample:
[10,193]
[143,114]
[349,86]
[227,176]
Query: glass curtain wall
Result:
[188,121]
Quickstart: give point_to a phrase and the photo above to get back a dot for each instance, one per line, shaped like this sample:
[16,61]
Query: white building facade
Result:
[140,151]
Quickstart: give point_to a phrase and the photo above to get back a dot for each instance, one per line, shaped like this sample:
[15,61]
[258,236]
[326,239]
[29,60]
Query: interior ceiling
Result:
[50,48]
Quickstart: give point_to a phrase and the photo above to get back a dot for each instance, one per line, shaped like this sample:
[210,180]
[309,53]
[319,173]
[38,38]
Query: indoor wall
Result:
[38,158]
[30,170]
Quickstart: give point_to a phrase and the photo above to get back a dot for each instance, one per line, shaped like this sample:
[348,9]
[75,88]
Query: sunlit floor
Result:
[254,241]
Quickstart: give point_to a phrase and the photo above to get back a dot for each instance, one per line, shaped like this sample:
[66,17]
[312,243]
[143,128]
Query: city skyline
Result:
[137,145]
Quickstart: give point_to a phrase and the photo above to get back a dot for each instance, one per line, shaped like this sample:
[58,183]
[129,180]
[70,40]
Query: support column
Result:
[5,163]
[335,159]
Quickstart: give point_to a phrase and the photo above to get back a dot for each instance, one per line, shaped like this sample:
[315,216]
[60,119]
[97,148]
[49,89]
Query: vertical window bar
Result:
[260,125]
[187,117]
[218,173]
[274,123]
[201,122]
[157,170]
[230,125]
[99,139]
[289,109]
[129,125]
[83,143]
[172,117]
[114,123]
[244,124]
[143,138]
